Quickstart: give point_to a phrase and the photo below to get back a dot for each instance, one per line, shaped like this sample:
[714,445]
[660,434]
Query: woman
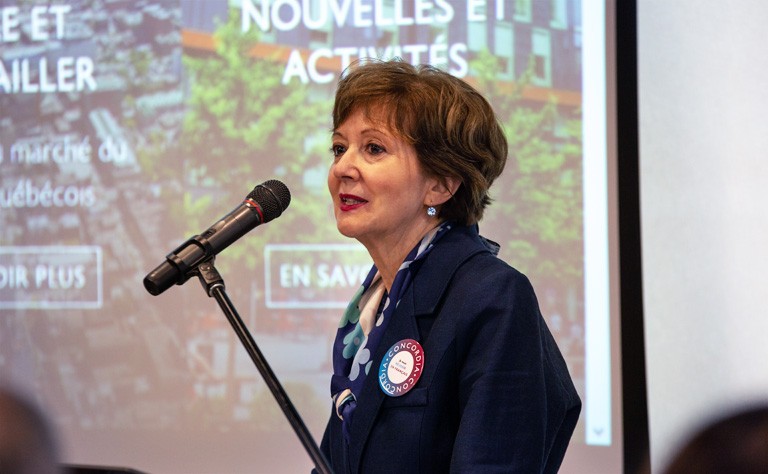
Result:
[442,361]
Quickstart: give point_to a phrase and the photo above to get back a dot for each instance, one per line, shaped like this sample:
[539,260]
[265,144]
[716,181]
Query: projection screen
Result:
[129,126]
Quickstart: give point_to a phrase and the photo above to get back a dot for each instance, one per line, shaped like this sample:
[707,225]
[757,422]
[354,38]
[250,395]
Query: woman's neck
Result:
[388,255]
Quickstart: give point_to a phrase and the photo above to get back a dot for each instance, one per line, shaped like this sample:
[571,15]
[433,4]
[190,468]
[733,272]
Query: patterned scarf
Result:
[358,337]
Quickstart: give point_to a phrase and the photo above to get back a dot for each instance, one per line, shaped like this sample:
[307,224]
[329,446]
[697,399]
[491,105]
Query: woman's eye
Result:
[337,150]
[375,149]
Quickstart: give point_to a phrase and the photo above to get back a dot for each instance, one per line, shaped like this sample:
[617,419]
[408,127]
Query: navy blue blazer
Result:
[494,395]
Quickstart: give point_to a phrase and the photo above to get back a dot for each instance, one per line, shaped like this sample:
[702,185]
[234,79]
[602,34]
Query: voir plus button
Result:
[55,277]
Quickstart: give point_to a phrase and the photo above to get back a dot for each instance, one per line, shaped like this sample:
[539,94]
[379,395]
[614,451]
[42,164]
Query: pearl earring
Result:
[431,211]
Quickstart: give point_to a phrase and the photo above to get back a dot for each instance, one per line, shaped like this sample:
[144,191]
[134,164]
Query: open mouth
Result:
[349,201]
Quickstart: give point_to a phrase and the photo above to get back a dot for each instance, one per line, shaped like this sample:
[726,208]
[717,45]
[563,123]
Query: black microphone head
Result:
[273,196]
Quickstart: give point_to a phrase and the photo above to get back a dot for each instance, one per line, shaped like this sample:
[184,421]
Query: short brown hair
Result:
[452,127]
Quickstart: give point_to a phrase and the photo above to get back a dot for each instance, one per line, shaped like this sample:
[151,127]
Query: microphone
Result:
[267,201]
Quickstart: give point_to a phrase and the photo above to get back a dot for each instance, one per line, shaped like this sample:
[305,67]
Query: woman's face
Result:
[379,191]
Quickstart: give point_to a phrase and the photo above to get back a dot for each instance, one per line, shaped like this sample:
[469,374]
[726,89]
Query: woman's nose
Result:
[345,166]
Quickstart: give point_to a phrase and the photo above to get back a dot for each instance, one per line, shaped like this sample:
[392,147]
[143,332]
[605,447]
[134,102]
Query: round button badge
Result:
[401,367]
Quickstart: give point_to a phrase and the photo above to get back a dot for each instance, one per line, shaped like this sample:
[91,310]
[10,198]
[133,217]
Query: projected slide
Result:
[128,126]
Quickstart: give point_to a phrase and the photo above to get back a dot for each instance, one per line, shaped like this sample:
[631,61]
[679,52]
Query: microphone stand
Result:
[214,287]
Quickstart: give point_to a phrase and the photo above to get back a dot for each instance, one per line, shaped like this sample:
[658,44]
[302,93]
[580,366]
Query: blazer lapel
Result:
[428,285]
[402,326]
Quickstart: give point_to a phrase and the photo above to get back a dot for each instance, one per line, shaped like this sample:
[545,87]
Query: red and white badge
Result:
[401,367]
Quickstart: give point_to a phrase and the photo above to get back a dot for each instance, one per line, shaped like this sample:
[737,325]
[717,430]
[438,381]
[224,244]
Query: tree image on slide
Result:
[243,127]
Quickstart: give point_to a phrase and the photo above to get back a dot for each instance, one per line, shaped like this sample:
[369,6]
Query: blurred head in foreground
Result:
[27,442]
[736,444]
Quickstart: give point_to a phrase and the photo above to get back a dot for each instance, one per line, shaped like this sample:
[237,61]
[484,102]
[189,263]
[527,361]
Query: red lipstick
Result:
[349,202]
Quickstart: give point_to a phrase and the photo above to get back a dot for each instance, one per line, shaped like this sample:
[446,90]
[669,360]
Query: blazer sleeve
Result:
[518,406]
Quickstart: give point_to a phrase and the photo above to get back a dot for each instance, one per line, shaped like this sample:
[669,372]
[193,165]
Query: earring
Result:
[431,211]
